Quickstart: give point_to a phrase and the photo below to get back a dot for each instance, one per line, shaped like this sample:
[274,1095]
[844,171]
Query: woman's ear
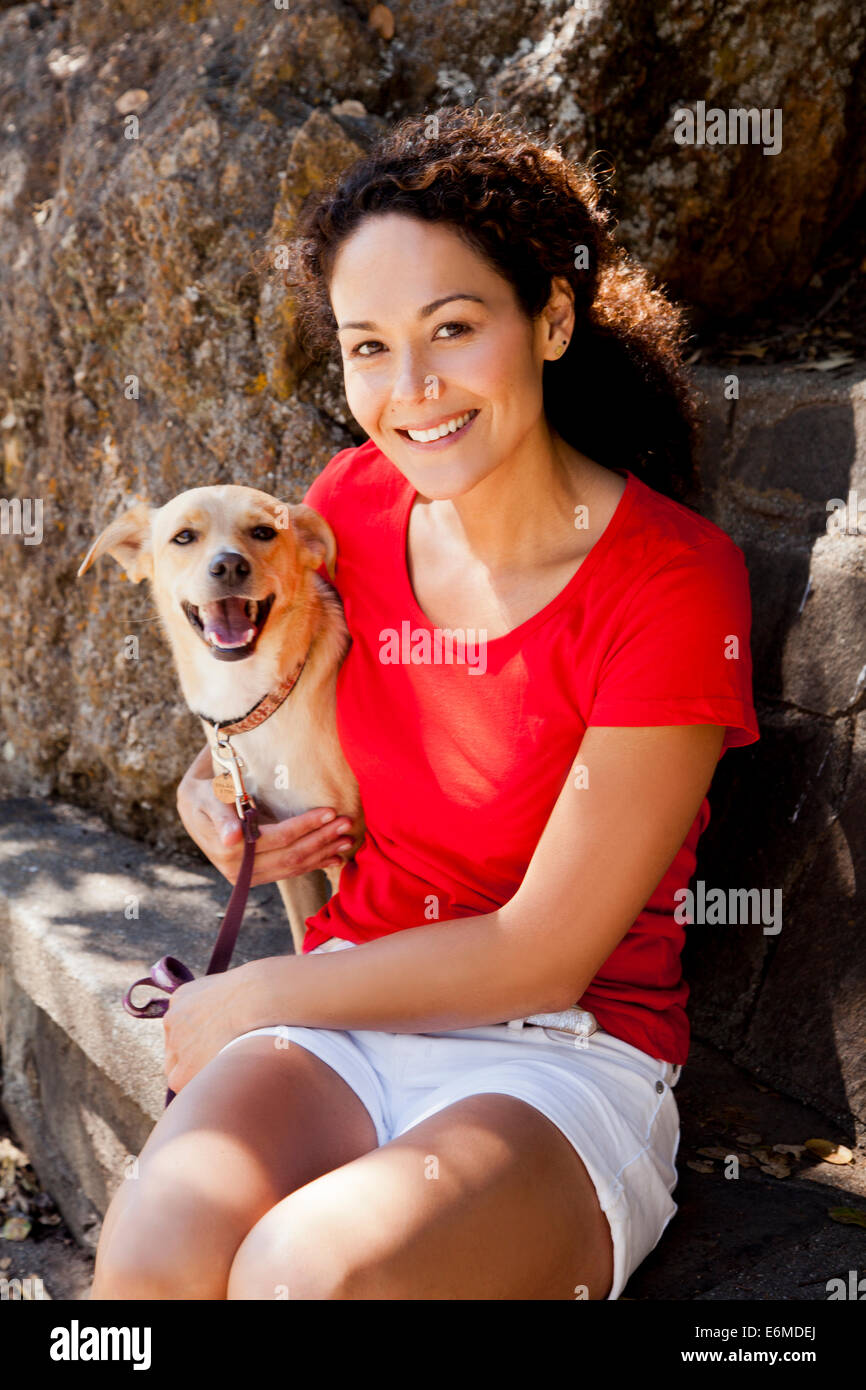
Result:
[316,540]
[126,540]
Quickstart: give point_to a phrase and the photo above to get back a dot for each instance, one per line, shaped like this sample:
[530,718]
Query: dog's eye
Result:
[183,537]
[263,533]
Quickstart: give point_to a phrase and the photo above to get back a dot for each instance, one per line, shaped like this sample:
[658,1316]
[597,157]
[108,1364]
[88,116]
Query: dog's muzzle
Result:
[230,627]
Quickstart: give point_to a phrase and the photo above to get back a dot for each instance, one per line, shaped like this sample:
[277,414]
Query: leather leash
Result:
[169,973]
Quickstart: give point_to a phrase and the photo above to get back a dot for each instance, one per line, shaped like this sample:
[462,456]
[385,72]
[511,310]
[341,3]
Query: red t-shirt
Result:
[459,769]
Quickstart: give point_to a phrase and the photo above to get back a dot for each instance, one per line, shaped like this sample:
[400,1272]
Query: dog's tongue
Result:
[226,623]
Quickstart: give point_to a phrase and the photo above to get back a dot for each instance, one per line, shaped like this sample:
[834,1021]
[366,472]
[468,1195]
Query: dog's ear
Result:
[126,540]
[316,540]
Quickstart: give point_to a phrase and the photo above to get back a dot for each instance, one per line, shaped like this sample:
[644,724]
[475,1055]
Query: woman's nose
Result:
[413,380]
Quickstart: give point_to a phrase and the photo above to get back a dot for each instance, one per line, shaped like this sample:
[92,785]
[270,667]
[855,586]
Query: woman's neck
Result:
[524,511]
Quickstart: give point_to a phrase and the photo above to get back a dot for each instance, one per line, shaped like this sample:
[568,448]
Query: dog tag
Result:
[224,788]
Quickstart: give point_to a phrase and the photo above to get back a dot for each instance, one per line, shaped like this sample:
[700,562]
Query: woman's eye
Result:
[374,342]
[183,537]
[462,326]
[263,533]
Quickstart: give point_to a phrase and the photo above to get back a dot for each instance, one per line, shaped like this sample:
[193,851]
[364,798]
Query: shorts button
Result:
[660,1086]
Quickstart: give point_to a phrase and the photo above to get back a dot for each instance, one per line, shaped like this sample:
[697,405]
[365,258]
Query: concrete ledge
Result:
[83,1080]
[76,1125]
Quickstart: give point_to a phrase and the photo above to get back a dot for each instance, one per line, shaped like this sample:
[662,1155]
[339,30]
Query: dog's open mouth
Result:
[230,626]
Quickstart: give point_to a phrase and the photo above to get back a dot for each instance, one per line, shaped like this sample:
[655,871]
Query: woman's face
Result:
[442,337]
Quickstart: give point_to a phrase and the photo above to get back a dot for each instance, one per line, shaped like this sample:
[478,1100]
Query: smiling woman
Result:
[518,220]
[496,986]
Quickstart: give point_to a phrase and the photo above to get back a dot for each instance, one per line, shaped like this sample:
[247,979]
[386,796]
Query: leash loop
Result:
[169,973]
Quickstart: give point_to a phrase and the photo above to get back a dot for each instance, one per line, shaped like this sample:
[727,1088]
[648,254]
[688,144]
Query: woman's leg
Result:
[486,1199]
[256,1123]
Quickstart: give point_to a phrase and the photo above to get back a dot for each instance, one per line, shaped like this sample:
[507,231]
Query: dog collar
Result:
[261,711]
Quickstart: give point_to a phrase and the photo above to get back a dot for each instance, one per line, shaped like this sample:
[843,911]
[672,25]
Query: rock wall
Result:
[789,812]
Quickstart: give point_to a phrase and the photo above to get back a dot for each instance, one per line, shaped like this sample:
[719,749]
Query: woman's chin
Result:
[438,479]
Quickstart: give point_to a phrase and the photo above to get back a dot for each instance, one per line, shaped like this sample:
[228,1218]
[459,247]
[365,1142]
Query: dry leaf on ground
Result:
[15,1228]
[763,1153]
[827,364]
[777,1169]
[848,1216]
[829,1152]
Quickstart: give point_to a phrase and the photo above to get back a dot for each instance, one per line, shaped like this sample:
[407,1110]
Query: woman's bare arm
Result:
[284,848]
[604,850]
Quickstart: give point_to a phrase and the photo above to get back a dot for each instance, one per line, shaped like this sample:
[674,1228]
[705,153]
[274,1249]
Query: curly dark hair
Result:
[619,393]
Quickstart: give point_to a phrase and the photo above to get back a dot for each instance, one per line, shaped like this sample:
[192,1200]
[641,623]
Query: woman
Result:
[384,1122]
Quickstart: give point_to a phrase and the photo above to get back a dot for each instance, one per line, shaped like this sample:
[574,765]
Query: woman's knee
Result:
[296,1251]
[154,1246]
[130,1271]
[224,1154]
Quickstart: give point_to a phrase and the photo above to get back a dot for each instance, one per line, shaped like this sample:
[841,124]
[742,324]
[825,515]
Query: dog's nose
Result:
[230,567]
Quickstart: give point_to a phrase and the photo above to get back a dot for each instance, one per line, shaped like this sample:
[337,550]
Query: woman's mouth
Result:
[439,436]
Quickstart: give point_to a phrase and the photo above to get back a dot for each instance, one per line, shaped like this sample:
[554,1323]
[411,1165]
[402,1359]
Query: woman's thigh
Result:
[256,1123]
[486,1199]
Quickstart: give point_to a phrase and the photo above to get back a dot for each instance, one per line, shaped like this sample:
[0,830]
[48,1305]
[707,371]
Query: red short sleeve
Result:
[679,652]
[322,491]
[322,495]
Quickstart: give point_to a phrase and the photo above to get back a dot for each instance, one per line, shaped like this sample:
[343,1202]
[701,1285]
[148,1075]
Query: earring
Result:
[561,349]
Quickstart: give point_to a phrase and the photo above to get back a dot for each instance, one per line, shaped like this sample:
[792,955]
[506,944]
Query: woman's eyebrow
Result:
[423,313]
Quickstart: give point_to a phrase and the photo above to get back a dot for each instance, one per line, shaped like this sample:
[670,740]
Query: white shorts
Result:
[613,1102]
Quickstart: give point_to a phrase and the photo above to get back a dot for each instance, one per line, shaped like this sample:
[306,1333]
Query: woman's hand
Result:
[197,1023]
[284,848]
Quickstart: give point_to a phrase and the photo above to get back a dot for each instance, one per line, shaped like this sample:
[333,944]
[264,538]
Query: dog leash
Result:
[169,973]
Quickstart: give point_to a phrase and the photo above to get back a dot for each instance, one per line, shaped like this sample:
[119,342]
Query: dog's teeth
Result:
[244,641]
[252,609]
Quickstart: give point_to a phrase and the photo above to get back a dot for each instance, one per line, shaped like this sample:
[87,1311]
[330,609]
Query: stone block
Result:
[83,1081]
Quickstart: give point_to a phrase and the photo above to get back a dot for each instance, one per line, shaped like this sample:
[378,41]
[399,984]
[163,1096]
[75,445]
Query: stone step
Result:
[84,912]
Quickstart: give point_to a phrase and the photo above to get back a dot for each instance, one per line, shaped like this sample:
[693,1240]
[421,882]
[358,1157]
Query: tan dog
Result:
[232,571]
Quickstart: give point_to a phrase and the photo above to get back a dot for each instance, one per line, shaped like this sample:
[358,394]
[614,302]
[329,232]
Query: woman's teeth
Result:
[448,427]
